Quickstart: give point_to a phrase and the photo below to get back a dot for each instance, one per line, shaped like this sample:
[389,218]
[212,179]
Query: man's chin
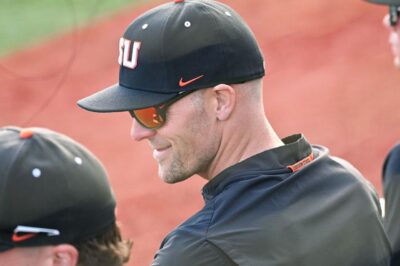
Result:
[171,178]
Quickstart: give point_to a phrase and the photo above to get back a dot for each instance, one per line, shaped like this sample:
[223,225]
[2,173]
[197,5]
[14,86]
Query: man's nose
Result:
[138,132]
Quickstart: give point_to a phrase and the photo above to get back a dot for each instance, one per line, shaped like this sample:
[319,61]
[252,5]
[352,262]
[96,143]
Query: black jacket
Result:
[292,205]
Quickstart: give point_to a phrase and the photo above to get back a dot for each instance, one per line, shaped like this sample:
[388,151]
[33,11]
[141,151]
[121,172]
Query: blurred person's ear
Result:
[65,255]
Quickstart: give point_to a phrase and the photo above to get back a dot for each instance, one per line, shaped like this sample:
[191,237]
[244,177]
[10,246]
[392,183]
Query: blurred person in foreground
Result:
[391,166]
[191,78]
[392,23]
[391,187]
[56,204]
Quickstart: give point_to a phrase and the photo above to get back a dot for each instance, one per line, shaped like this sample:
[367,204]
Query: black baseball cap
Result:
[385,2]
[179,46]
[52,190]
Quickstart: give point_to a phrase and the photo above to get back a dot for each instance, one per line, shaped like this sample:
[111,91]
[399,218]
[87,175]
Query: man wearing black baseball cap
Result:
[56,205]
[191,78]
[391,166]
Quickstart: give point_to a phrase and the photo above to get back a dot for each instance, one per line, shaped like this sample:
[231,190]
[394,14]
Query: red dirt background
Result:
[329,75]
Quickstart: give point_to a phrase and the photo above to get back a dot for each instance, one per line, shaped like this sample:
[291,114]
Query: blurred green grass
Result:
[27,22]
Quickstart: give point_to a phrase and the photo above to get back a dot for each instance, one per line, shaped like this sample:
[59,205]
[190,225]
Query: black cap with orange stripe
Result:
[52,190]
[180,46]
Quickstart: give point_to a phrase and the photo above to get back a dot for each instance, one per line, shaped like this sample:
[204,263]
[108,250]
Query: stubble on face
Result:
[194,149]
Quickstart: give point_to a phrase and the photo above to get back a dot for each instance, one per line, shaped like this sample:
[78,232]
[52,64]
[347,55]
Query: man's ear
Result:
[226,99]
[65,255]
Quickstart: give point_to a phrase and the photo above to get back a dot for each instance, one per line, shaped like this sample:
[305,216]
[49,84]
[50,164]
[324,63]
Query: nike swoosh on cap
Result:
[17,238]
[185,83]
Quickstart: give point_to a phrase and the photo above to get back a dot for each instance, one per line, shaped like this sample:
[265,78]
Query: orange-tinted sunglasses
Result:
[154,117]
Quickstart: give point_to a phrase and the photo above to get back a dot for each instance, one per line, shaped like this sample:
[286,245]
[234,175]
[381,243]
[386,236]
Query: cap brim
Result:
[118,98]
[385,2]
[4,247]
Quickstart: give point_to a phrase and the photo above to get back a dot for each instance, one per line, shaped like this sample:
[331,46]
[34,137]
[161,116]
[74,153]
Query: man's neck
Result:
[236,147]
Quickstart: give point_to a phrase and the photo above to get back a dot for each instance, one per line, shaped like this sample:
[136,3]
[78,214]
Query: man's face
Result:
[29,256]
[186,144]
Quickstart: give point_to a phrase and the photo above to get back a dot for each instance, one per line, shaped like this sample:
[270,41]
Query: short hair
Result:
[250,89]
[105,249]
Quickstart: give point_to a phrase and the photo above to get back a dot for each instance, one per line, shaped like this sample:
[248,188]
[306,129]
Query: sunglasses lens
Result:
[149,117]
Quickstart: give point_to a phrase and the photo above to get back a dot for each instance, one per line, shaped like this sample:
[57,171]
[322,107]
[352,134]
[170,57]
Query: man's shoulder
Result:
[332,165]
[341,173]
